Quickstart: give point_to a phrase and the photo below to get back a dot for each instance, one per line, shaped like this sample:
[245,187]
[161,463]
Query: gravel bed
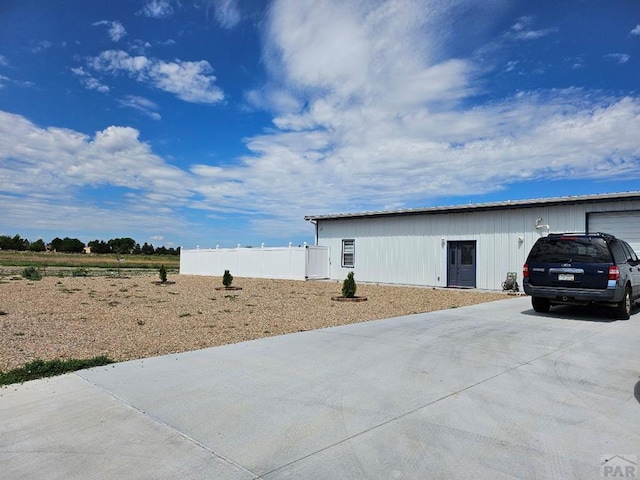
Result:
[130,318]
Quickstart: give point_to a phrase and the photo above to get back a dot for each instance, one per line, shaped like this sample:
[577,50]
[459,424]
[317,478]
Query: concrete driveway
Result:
[492,391]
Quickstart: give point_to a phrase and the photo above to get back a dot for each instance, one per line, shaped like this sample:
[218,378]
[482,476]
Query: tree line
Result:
[118,246]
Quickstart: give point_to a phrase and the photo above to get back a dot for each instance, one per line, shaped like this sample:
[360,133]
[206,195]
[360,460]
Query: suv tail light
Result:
[525,271]
[614,273]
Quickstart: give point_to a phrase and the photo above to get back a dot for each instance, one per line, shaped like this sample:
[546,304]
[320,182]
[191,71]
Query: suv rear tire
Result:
[623,310]
[540,305]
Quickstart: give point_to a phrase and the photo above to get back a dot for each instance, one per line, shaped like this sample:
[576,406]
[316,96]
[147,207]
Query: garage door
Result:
[625,225]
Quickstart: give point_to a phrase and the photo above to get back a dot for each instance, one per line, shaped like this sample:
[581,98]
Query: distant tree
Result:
[5,242]
[13,243]
[122,246]
[99,246]
[161,250]
[147,249]
[72,245]
[20,243]
[56,244]
[37,246]
[136,249]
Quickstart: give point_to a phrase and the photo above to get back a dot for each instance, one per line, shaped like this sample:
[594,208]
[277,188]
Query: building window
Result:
[348,253]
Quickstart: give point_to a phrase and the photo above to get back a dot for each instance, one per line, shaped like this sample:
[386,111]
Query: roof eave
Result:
[507,205]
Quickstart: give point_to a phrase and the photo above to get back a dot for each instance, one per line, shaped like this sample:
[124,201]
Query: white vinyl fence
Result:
[294,263]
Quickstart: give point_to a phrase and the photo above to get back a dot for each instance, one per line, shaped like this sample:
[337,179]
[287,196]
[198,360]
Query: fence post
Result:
[238,258]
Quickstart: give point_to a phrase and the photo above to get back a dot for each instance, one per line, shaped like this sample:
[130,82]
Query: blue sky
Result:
[218,122]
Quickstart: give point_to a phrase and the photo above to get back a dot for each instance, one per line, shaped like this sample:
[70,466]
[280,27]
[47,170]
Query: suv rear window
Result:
[570,249]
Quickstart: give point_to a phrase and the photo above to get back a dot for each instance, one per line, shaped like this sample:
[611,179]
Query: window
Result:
[571,249]
[348,253]
[467,254]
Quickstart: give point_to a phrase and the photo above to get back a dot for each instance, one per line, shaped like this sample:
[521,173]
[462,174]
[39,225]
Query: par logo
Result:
[619,466]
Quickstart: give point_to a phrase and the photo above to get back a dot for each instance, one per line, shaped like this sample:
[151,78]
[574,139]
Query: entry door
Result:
[462,264]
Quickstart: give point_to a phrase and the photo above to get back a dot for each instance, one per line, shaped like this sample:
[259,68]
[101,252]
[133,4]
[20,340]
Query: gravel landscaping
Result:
[130,318]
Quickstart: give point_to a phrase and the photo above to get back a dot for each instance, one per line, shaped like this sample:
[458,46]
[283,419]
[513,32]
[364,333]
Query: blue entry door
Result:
[461,260]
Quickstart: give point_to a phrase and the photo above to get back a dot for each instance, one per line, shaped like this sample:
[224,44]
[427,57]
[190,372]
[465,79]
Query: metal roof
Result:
[475,207]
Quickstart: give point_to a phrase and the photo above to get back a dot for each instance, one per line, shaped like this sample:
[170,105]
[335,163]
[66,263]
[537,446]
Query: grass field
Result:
[48,259]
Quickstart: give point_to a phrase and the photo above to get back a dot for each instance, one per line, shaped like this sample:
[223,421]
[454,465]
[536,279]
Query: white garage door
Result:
[625,225]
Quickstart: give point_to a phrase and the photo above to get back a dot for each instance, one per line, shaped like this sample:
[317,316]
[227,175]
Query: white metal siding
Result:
[625,225]
[409,249]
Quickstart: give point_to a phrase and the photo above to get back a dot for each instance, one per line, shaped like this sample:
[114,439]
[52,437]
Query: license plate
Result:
[565,277]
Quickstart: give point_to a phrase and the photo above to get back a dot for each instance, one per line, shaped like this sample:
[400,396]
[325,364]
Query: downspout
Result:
[316,234]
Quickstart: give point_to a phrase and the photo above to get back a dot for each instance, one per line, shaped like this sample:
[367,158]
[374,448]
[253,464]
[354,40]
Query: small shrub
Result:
[31,273]
[349,286]
[163,274]
[80,272]
[227,279]
[49,368]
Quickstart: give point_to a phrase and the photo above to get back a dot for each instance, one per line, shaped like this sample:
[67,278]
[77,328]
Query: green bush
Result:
[80,272]
[349,286]
[163,274]
[227,279]
[31,273]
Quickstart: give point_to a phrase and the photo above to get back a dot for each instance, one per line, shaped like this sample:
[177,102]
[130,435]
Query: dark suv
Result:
[580,269]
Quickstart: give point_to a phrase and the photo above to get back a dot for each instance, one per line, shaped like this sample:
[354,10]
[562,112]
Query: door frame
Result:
[456,246]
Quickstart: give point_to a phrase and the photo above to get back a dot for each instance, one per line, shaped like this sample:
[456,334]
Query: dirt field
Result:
[129,318]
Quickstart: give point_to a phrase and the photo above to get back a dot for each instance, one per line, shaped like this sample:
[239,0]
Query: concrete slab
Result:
[66,428]
[491,391]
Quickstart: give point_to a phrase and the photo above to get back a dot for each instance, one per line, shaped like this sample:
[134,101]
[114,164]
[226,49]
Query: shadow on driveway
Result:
[591,313]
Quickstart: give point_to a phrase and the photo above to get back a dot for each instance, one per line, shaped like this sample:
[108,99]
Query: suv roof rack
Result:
[606,236]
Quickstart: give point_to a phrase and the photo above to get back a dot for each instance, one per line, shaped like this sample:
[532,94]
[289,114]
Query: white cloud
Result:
[141,104]
[521,30]
[139,46]
[369,110]
[20,83]
[366,118]
[115,29]
[157,8]
[41,46]
[618,57]
[227,12]
[189,81]
[636,30]
[89,81]
[3,61]
[44,172]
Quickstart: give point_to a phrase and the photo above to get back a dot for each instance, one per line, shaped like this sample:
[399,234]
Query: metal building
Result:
[467,245]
